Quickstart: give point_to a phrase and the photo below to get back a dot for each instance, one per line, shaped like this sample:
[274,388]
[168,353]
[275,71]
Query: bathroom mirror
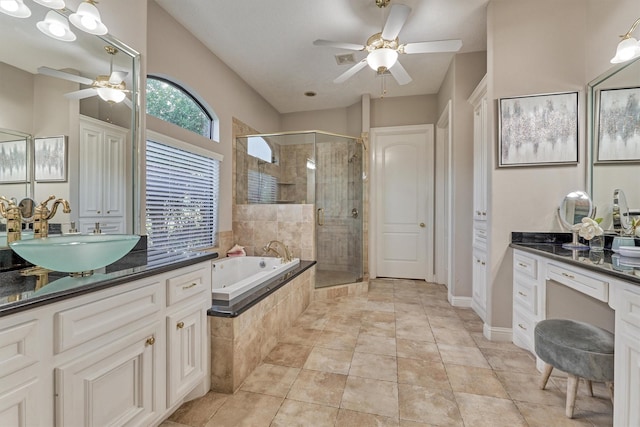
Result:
[621,217]
[34,104]
[613,141]
[575,206]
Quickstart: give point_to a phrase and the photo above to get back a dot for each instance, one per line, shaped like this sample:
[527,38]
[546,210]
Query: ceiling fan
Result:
[110,88]
[383,47]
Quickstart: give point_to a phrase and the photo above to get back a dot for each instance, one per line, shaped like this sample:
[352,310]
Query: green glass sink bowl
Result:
[75,253]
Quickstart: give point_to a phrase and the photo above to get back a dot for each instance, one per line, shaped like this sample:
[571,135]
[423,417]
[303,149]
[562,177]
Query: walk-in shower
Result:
[317,168]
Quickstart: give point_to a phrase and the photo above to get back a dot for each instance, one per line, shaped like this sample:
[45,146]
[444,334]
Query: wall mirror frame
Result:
[609,94]
[34,104]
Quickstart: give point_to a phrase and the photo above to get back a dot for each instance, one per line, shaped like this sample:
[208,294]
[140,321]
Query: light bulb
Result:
[9,5]
[87,18]
[56,26]
[88,22]
[56,29]
[15,8]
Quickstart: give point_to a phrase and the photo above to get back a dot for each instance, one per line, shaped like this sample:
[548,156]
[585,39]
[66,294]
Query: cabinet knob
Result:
[108,212]
[422,225]
[98,212]
[151,341]
[180,325]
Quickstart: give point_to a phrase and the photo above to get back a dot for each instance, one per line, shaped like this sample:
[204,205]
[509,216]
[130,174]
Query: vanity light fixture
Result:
[52,4]
[56,26]
[87,18]
[628,48]
[15,8]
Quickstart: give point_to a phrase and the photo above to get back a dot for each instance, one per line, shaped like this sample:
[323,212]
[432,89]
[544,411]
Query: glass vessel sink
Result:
[80,253]
[25,235]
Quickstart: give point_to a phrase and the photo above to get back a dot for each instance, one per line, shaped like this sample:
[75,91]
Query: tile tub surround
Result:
[239,344]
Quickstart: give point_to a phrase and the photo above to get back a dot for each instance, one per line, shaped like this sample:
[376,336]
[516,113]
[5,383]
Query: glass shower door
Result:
[339,206]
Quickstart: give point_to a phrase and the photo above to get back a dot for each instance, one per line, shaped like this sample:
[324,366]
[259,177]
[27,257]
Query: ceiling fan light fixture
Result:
[56,26]
[111,95]
[53,4]
[383,58]
[15,8]
[87,19]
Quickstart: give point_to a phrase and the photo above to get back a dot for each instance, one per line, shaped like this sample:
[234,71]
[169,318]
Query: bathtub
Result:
[235,276]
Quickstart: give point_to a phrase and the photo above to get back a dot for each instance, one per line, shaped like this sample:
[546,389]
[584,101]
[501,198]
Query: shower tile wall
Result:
[294,225]
[296,181]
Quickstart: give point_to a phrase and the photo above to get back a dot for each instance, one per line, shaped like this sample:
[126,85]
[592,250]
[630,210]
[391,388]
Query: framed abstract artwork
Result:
[618,133]
[50,155]
[538,130]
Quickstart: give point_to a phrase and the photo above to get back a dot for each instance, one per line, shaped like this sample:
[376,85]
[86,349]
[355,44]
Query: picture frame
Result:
[50,159]
[538,130]
[618,133]
[14,157]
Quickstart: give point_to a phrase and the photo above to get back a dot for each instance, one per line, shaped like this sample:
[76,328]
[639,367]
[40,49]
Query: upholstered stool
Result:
[577,348]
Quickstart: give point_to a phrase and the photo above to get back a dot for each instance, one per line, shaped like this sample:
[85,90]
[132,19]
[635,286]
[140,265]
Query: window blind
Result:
[263,188]
[182,198]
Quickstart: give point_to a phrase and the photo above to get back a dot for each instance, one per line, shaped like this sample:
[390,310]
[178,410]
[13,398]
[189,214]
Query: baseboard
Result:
[464,302]
[497,334]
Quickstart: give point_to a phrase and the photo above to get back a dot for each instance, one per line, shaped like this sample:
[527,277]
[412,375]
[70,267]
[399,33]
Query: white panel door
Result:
[403,201]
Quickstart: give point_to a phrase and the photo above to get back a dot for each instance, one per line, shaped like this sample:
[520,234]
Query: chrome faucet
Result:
[14,219]
[284,257]
[42,216]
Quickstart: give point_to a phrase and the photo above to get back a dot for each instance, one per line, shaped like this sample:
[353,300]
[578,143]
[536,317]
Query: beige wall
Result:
[540,47]
[464,74]
[175,53]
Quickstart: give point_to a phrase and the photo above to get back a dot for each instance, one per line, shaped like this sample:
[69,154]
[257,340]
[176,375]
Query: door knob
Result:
[422,225]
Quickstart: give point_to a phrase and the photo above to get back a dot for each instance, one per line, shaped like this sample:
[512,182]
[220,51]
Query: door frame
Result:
[444,139]
[373,194]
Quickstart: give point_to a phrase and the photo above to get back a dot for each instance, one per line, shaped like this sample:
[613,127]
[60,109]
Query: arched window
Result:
[172,103]
[258,147]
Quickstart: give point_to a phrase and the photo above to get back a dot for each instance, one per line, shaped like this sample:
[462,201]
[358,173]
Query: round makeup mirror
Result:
[575,206]
[621,217]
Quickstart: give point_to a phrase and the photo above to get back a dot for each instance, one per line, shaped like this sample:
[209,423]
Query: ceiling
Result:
[269,44]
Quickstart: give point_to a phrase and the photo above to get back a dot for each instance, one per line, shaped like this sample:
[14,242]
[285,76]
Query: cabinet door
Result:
[114,174]
[479,278]
[186,337]
[91,176]
[19,405]
[113,385]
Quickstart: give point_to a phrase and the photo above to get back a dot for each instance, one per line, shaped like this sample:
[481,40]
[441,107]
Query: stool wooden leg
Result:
[572,390]
[590,387]
[546,373]
[610,388]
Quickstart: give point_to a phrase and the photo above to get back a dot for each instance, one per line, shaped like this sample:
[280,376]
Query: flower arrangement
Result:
[588,228]
[635,227]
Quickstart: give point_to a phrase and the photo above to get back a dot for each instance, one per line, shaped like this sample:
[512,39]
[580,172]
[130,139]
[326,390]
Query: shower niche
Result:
[317,168]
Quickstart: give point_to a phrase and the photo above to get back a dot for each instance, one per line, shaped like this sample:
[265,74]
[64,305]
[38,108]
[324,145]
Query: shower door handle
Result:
[320,216]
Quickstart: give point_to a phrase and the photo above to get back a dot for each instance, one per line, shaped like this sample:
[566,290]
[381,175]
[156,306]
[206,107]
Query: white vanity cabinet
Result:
[528,281]
[124,355]
[481,149]
[19,372]
[102,185]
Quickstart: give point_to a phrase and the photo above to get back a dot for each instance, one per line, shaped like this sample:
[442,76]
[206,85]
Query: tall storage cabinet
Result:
[102,184]
[480,199]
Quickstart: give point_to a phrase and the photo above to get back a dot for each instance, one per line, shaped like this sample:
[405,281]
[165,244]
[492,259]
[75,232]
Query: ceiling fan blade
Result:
[63,75]
[400,74]
[395,21]
[351,71]
[339,45]
[117,77]
[81,94]
[433,47]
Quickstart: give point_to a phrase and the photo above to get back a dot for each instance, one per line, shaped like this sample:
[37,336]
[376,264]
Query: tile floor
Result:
[400,356]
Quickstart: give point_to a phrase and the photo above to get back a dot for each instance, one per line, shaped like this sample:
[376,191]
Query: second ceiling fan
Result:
[384,47]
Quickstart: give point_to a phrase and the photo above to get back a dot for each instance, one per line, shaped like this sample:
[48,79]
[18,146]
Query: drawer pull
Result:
[180,325]
[568,275]
[522,293]
[483,263]
[521,326]
[523,265]
[190,286]
[151,341]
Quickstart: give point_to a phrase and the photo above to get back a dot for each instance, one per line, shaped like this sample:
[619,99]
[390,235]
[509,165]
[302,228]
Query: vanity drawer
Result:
[589,285]
[525,293]
[525,265]
[480,238]
[85,322]
[523,327]
[629,311]
[187,283]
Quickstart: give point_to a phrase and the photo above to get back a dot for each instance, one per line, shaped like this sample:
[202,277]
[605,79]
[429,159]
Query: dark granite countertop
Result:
[607,262]
[19,293]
